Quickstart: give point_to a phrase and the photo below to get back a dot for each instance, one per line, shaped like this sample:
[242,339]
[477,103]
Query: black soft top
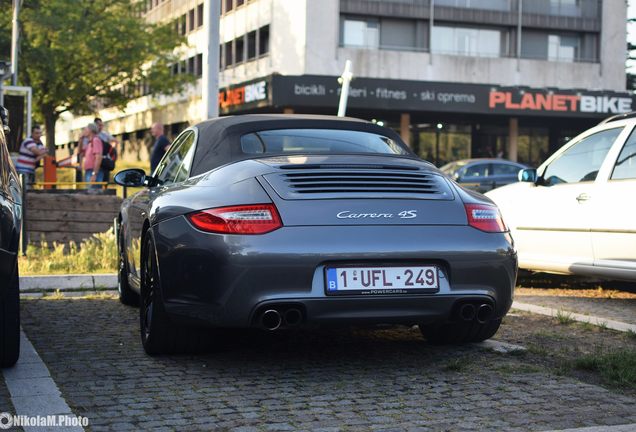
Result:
[219,140]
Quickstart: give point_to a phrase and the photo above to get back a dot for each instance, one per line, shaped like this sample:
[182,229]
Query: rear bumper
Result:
[226,280]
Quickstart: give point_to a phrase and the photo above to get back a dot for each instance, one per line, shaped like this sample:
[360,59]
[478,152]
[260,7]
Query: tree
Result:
[78,54]
[631,57]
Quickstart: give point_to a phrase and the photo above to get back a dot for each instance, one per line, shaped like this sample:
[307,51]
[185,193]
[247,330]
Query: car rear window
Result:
[283,141]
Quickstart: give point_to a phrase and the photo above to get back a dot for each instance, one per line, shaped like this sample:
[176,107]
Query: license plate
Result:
[381,280]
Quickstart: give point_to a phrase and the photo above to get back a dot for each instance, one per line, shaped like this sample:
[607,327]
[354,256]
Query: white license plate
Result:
[381,280]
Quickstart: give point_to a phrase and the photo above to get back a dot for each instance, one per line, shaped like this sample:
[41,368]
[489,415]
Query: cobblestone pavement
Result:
[321,380]
[622,309]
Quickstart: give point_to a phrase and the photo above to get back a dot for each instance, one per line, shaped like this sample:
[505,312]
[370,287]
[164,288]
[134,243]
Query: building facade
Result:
[457,78]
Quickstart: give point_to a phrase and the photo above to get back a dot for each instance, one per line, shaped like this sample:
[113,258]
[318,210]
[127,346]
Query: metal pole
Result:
[23,233]
[345,80]
[210,84]
[15,35]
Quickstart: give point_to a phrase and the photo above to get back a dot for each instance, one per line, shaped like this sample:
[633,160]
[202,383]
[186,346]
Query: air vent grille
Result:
[344,183]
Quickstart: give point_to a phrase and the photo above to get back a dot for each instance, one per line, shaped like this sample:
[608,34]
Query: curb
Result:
[68,282]
[595,320]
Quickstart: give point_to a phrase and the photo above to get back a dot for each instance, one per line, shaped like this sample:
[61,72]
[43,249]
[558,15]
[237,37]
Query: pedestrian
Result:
[31,152]
[93,157]
[160,147]
[107,139]
[82,144]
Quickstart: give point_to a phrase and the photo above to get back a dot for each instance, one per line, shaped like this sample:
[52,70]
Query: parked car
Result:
[575,214]
[10,221]
[483,174]
[276,221]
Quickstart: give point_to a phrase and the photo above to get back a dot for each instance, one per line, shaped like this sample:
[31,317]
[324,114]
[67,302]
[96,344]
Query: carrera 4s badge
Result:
[405,214]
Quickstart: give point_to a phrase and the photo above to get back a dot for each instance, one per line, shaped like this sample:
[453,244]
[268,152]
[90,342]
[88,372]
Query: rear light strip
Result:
[485,218]
[244,219]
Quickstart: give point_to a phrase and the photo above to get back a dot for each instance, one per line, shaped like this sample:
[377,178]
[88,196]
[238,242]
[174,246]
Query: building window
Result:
[198,65]
[200,15]
[228,54]
[361,33]
[263,40]
[587,8]
[239,3]
[397,34]
[229,5]
[240,50]
[563,48]
[191,20]
[251,45]
[466,41]
[555,47]
[501,5]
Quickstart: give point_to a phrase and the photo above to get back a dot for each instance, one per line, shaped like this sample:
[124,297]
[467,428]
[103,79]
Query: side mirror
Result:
[133,177]
[528,175]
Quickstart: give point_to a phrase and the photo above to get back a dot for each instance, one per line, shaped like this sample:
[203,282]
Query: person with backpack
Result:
[109,148]
[93,157]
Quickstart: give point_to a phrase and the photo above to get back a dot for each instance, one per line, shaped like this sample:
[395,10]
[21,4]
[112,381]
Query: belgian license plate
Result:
[381,280]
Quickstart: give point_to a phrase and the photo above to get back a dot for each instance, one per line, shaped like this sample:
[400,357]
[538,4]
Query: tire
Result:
[10,322]
[459,332]
[126,295]
[160,335]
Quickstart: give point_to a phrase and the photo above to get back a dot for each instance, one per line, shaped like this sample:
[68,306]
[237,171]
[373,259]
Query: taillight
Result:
[244,219]
[484,217]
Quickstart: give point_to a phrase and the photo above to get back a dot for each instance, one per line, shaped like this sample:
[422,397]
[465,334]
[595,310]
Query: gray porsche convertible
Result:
[289,221]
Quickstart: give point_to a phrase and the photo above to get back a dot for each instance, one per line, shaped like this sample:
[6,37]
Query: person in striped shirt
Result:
[30,153]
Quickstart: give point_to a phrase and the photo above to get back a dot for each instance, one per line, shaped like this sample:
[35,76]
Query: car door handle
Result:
[583,197]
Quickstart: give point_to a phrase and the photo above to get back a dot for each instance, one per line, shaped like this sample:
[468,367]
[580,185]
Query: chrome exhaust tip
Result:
[293,317]
[271,319]
[484,313]
[467,312]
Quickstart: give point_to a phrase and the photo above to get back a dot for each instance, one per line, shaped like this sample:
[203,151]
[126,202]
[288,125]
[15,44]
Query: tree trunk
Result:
[50,118]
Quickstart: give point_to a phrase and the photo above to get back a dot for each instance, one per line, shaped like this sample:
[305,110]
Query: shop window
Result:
[361,33]
[466,41]
[251,45]
[263,40]
[449,143]
[397,34]
[240,50]
[625,167]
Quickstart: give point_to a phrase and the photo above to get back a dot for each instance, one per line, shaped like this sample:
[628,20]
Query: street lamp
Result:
[438,130]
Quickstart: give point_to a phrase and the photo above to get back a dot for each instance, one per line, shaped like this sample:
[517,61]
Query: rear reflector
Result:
[484,217]
[245,219]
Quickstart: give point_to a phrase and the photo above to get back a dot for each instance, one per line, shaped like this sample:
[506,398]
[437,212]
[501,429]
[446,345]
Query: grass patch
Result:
[97,254]
[617,368]
[457,365]
[631,334]
[564,318]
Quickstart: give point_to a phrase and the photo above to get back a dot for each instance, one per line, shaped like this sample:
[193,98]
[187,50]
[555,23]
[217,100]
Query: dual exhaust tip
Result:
[273,319]
[481,313]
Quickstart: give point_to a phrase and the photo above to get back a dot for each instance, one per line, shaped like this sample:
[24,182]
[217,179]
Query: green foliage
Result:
[617,368]
[77,54]
[98,254]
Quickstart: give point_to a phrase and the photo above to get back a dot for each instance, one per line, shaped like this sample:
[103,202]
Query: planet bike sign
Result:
[243,94]
[533,101]
[426,96]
